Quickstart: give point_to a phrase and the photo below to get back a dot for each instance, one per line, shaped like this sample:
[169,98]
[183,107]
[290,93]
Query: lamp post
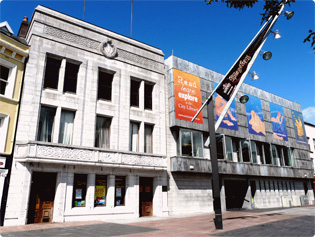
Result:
[228,88]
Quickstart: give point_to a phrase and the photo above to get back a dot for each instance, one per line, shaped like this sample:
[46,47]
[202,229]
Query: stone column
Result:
[110,191]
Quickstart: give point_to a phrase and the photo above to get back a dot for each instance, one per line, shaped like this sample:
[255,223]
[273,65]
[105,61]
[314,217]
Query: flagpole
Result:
[131,18]
[84,6]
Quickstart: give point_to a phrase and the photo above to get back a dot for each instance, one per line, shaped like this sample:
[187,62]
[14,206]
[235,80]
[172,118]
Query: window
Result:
[4,76]
[228,141]
[105,85]
[148,141]
[51,77]
[191,143]
[70,77]
[45,127]
[288,156]
[267,153]
[102,139]
[100,193]
[253,152]
[219,142]
[235,150]
[134,93]
[4,122]
[245,149]
[120,185]
[79,190]
[260,157]
[274,155]
[134,136]
[66,127]
[148,96]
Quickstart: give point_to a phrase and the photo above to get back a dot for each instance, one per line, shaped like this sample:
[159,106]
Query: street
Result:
[280,222]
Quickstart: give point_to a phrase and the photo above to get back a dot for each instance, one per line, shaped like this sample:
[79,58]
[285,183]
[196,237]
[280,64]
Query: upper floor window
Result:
[8,72]
[148,89]
[148,139]
[71,77]
[4,76]
[45,127]
[134,137]
[51,77]
[134,93]
[4,123]
[102,139]
[105,85]
[191,143]
[66,127]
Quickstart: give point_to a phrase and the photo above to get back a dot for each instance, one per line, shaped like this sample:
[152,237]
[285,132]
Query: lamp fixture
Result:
[254,76]
[244,99]
[276,34]
[266,55]
[288,14]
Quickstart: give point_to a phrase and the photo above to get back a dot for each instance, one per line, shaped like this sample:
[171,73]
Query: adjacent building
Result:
[91,136]
[13,56]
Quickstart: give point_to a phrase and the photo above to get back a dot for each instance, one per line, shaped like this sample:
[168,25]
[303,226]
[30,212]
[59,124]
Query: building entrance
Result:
[235,191]
[145,196]
[42,197]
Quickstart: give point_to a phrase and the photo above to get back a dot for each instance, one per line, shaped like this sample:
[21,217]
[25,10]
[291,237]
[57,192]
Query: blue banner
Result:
[255,116]
[278,122]
[298,124]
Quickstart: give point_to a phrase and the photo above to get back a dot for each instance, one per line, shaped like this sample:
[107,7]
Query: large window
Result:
[79,190]
[8,72]
[134,137]
[134,93]
[102,138]
[100,193]
[51,77]
[148,88]
[66,127]
[45,127]
[70,77]
[120,190]
[191,143]
[105,85]
[148,140]
[245,150]
[4,76]
[4,123]
[220,143]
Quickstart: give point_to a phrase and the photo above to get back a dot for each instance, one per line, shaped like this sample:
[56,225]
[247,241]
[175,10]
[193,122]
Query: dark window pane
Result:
[70,78]
[245,148]
[120,185]
[79,190]
[52,73]
[4,72]
[148,96]
[134,93]
[186,145]
[102,132]
[46,124]
[267,155]
[219,141]
[148,142]
[105,85]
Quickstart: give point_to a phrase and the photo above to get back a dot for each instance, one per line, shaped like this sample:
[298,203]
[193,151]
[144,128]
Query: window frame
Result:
[4,128]
[145,138]
[109,81]
[60,138]
[123,194]
[53,123]
[83,192]
[131,137]
[10,82]
[45,83]
[148,95]
[135,94]
[70,78]
[109,123]
[192,142]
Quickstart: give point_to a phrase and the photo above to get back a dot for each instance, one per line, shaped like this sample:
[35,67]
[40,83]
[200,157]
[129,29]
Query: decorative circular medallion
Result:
[108,49]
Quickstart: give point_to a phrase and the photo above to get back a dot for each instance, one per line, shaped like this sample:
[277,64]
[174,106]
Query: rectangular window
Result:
[280,156]
[134,137]
[260,157]
[245,150]
[45,127]
[100,192]
[148,140]
[219,141]
[79,190]
[134,93]
[274,155]
[105,85]
[120,186]
[148,96]
[228,141]
[267,153]
[4,76]
[102,139]
[288,157]
[191,143]
[235,150]
[253,151]
[51,77]
[66,127]
[70,77]
[4,123]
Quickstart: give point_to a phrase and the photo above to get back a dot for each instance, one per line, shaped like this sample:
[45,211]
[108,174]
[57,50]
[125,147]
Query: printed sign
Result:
[230,119]
[255,116]
[298,124]
[187,95]
[278,122]
[118,192]
[78,193]
[100,195]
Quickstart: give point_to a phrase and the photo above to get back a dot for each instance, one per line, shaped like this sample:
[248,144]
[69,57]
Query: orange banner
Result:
[187,94]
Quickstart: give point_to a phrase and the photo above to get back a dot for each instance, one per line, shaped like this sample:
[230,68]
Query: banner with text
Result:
[187,94]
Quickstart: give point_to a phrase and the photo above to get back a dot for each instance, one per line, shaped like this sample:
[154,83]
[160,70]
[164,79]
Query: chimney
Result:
[23,28]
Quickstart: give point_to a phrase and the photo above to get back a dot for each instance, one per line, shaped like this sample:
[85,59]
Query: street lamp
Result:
[288,14]
[276,34]
[267,55]
[254,76]
[244,99]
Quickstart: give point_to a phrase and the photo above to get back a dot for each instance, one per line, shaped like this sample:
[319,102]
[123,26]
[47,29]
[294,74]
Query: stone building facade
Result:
[256,171]
[91,138]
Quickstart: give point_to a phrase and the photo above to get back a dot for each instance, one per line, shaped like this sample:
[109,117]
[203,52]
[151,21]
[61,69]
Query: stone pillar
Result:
[90,190]
[110,191]
[60,197]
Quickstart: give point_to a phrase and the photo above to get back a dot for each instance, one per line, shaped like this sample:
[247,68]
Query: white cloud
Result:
[309,114]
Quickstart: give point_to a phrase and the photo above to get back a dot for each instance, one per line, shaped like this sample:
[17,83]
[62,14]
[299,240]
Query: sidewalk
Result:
[289,222]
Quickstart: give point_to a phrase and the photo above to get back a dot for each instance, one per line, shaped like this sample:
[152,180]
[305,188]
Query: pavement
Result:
[280,222]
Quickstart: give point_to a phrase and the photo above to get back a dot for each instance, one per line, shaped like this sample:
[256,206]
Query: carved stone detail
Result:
[65,153]
[142,160]
[108,49]
[108,157]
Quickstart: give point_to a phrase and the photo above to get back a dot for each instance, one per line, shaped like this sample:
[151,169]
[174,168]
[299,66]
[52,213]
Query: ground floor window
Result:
[100,192]
[79,190]
[191,143]
[120,190]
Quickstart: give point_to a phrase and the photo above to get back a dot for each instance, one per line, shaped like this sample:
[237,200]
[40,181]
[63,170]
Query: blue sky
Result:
[212,36]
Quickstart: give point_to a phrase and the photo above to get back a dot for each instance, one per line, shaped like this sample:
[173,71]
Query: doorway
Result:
[145,196]
[43,187]
[235,191]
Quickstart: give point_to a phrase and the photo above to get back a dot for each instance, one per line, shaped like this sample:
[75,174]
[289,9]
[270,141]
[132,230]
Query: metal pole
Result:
[84,7]
[214,167]
[131,18]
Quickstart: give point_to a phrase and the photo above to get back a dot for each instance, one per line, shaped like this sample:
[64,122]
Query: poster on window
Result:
[255,119]
[187,96]
[230,120]
[278,122]
[118,192]
[298,124]
[100,195]
[78,193]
